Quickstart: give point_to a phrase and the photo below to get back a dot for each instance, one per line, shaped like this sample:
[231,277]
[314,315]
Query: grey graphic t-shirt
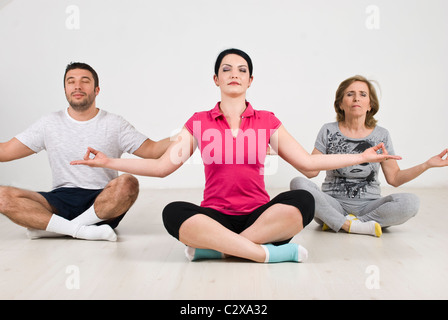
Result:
[355,182]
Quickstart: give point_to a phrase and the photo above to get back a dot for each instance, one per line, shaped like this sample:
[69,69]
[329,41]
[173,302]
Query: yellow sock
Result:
[370,227]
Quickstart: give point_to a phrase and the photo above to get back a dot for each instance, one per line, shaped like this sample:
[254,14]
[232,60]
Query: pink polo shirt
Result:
[234,166]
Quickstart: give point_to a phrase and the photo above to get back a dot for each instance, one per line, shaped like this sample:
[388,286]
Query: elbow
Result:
[163,173]
[394,183]
[310,175]
[160,174]
[3,157]
[308,170]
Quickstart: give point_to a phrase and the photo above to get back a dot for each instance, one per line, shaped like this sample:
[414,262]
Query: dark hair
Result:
[84,66]
[242,54]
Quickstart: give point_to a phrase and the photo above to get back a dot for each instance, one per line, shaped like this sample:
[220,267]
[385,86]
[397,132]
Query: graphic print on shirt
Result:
[351,182]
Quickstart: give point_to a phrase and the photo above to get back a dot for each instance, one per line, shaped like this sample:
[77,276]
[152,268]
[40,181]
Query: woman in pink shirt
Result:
[237,217]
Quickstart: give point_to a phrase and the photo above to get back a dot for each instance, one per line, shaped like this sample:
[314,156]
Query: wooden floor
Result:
[407,262]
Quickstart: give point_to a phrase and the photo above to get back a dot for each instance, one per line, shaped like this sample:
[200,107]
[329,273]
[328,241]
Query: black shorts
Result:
[71,202]
[177,213]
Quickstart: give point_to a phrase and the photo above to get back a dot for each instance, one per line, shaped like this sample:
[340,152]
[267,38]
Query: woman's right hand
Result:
[99,159]
[372,155]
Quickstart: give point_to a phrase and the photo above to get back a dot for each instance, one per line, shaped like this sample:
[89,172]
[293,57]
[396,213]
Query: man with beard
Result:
[84,203]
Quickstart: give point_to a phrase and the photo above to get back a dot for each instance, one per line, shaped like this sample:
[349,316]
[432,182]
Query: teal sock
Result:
[286,252]
[194,254]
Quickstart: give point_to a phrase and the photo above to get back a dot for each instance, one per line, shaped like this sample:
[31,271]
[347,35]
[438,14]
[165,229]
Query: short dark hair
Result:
[84,66]
[241,53]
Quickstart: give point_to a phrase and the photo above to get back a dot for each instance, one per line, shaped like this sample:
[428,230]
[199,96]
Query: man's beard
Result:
[82,105]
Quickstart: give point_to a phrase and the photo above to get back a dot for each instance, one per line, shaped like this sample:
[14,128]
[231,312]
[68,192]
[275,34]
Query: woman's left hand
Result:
[438,161]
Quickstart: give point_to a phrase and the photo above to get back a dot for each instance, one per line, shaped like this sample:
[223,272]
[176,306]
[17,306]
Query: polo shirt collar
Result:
[216,112]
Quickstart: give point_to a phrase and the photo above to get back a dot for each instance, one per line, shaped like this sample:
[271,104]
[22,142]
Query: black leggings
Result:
[177,213]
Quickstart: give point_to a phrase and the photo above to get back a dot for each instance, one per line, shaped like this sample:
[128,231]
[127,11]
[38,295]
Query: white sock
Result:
[88,217]
[36,234]
[102,232]
[372,228]
[60,225]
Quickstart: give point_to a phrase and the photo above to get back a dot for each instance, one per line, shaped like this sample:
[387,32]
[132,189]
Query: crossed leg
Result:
[26,208]
[117,197]
[31,210]
[279,222]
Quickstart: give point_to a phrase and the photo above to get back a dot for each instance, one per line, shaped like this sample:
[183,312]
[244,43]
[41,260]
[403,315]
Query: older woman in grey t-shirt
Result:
[350,197]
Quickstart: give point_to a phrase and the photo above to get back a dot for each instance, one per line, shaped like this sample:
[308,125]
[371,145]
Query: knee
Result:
[178,210]
[295,183]
[301,209]
[173,218]
[128,185]
[411,203]
[169,210]
[299,183]
[7,195]
[306,204]
[407,206]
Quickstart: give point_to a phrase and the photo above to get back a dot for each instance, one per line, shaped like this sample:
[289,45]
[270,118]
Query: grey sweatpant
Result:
[388,211]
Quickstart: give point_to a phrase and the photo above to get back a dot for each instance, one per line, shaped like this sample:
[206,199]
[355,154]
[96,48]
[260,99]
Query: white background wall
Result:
[155,61]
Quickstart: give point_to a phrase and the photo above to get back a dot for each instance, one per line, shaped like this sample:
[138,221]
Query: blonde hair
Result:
[374,103]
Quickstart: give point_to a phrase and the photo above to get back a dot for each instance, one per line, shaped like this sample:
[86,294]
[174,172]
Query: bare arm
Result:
[13,150]
[308,174]
[178,152]
[312,174]
[396,177]
[293,153]
[153,149]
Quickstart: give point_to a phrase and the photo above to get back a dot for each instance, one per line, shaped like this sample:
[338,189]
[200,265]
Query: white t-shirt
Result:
[66,139]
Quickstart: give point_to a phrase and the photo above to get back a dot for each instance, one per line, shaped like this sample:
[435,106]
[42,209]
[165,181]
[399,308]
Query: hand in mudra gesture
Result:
[438,160]
[99,159]
[372,155]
